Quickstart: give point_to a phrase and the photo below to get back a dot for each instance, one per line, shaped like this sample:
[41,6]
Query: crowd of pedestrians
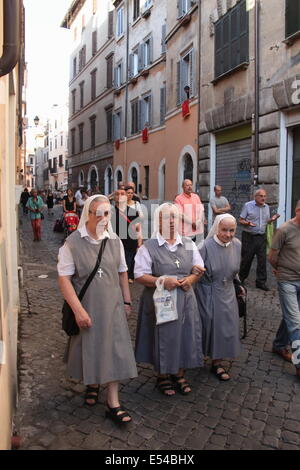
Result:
[189,309]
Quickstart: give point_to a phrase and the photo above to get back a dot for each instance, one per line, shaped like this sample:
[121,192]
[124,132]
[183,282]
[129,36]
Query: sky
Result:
[47,49]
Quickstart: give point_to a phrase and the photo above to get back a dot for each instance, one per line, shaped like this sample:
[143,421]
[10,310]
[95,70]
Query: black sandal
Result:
[218,367]
[181,384]
[91,393]
[163,384]
[117,414]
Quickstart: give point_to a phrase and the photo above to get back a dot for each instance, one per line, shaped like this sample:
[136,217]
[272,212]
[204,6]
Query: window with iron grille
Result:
[292,17]
[232,39]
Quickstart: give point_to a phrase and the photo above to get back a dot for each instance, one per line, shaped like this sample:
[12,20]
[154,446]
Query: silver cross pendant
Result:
[177,263]
[100,272]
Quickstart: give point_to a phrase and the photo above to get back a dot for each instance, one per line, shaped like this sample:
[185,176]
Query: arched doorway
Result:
[81,179]
[93,182]
[119,176]
[134,177]
[108,181]
[162,181]
[188,167]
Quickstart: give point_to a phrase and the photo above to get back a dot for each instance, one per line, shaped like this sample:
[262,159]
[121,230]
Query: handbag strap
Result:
[92,275]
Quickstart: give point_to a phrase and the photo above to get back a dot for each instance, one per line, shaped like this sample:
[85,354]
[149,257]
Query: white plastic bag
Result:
[165,302]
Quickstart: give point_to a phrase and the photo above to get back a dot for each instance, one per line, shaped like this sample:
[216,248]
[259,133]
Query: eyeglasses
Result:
[100,213]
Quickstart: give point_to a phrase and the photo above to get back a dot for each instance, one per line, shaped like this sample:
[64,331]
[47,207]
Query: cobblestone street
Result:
[258,408]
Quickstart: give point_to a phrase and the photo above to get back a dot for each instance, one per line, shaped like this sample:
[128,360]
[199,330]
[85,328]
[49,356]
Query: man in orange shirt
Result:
[191,211]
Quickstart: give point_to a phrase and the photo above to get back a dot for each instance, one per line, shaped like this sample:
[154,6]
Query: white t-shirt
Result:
[66,265]
[143,261]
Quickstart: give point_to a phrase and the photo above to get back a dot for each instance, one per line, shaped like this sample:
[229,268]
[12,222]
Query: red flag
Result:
[186,108]
[145,135]
[117,144]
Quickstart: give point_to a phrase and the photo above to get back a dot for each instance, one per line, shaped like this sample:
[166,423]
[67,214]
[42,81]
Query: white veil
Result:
[86,208]
[214,230]
[158,210]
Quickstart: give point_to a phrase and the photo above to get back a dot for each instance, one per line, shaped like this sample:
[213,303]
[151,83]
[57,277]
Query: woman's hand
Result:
[186,283]
[127,310]
[171,283]
[242,292]
[83,320]
[198,270]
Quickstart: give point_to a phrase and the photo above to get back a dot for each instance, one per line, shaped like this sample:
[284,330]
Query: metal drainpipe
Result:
[11,44]
[199,92]
[126,91]
[256,92]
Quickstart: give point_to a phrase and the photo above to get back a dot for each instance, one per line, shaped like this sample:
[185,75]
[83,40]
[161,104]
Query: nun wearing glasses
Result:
[176,345]
[216,295]
[102,352]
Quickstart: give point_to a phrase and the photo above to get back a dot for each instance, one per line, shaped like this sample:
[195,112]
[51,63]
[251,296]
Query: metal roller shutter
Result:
[233,173]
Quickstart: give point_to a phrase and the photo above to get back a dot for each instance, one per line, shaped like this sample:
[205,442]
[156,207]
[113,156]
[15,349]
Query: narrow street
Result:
[257,409]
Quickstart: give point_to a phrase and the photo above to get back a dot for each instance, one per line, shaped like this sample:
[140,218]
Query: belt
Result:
[255,234]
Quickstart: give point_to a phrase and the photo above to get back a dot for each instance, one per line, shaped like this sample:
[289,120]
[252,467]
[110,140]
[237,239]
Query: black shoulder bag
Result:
[69,324]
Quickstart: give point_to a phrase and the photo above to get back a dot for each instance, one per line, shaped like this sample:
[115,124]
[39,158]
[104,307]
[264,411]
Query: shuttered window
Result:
[232,39]
[109,124]
[163,38]
[94,42]
[162,105]
[93,84]
[110,24]
[135,117]
[146,111]
[186,76]
[136,9]
[80,127]
[292,17]
[93,130]
[109,67]
[183,6]
[117,121]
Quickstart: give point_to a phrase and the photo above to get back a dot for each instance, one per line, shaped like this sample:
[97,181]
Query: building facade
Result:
[11,120]
[57,154]
[91,94]
[250,101]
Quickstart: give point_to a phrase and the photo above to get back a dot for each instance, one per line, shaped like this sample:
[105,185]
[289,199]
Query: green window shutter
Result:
[226,53]
[292,17]
[219,48]
[244,32]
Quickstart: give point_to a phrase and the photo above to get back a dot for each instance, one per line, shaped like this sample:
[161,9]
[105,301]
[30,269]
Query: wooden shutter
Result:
[292,17]
[244,32]
[121,73]
[178,81]
[141,57]
[130,68]
[109,63]
[218,48]
[226,53]
[94,42]
[192,73]
[110,24]
[151,49]
[162,105]
[163,38]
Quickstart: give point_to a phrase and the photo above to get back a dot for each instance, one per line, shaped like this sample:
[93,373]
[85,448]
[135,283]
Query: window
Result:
[146,111]
[55,124]
[184,6]
[73,134]
[61,140]
[80,127]
[60,161]
[136,9]
[66,164]
[135,106]
[117,121]
[110,24]
[82,23]
[81,87]
[94,42]
[75,34]
[50,145]
[109,73]
[93,84]
[109,124]
[73,101]
[292,17]
[147,4]
[135,64]
[82,58]
[74,67]
[55,143]
[232,39]
[147,52]
[163,38]
[120,21]
[186,76]
[93,130]
[163,105]
[118,75]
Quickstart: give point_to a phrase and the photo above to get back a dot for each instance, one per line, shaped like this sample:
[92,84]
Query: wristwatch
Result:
[127,303]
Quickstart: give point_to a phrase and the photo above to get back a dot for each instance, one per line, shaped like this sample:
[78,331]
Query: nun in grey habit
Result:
[215,292]
[173,346]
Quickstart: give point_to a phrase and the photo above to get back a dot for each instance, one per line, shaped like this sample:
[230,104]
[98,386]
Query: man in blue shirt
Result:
[254,218]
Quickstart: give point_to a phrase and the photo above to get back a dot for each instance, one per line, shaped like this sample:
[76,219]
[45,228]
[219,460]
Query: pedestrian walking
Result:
[50,202]
[102,352]
[284,256]
[69,201]
[135,197]
[127,226]
[176,345]
[254,218]
[219,203]
[191,211]
[24,199]
[216,295]
[34,205]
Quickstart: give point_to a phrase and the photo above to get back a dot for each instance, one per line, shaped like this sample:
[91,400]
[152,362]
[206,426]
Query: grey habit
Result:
[176,344]
[217,300]
[102,353]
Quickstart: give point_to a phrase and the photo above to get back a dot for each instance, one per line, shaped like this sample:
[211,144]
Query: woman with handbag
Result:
[102,352]
[216,294]
[35,205]
[174,345]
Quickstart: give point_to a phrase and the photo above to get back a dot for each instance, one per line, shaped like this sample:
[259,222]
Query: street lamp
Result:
[36,120]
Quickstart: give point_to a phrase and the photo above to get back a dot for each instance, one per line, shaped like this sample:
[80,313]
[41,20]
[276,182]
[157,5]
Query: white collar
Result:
[162,241]
[84,233]
[225,245]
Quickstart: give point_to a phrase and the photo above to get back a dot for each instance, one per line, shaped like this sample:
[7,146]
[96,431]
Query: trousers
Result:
[254,245]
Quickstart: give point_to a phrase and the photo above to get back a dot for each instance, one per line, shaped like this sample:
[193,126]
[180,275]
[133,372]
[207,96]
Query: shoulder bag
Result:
[69,324]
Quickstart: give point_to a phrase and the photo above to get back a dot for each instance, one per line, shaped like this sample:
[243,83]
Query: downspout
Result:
[256,92]
[199,95]
[126,90]
[11,43]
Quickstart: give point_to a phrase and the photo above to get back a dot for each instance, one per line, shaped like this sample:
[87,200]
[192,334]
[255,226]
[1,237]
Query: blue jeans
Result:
[289,329]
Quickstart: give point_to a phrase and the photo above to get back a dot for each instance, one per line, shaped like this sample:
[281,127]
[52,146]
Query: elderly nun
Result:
[215,291]
[173,346]
[102,352]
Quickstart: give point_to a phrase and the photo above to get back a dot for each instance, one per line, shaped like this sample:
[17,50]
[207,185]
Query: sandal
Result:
[219,372]
[117,414]
[181,384]
[164,384]
[91,393]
